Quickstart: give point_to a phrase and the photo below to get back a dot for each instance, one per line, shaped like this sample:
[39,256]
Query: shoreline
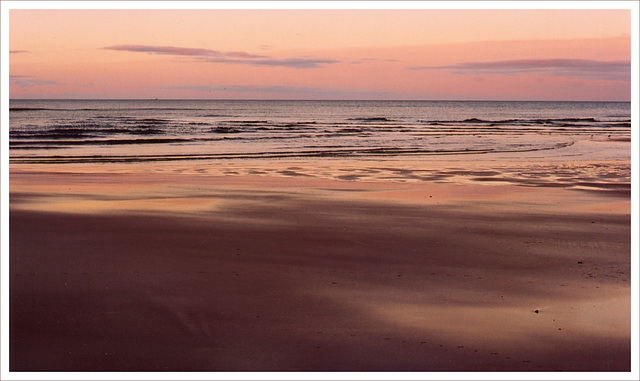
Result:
[609,176]
[167,271]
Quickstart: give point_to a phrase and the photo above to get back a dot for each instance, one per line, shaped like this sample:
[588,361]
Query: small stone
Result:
[537,311]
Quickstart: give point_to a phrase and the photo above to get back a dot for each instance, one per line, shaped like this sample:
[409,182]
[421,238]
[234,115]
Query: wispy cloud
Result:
[179,51]
[243,58]
[294,63]
[591,69]
[26,81]
[18,51]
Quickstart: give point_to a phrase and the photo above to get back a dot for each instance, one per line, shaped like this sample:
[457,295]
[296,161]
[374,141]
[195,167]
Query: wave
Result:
[84,131]
[248,122]
[106,109]
[543,124]
[326,152]
[40,144]
[28,108]
[510,121]
[373,119]
[225,130]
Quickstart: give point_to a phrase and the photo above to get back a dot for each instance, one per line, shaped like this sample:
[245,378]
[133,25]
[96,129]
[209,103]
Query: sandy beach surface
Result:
[145,270]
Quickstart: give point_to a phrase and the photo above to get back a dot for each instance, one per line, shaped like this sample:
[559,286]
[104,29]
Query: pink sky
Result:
[321,54]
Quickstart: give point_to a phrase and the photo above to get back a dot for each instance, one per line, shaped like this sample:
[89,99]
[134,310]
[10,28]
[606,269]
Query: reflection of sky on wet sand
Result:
[484,315]
[208,194]
[202,187]
[89,204]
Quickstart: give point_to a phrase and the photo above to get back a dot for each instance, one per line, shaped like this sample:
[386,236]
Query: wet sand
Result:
[118,271]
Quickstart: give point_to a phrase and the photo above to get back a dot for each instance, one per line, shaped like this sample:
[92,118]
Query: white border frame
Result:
[6,6]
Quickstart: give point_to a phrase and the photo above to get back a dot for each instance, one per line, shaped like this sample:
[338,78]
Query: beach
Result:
[223,267]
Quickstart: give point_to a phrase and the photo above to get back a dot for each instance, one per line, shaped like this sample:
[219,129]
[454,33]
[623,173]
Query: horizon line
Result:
[311,100]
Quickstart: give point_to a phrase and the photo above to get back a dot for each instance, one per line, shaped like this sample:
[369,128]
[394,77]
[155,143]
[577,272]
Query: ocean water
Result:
[108,131]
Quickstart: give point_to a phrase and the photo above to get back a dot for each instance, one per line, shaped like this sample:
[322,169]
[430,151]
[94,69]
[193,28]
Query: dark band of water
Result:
[135,131]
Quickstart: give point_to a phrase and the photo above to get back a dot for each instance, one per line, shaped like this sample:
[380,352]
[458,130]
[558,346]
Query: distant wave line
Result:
[16,109]
[351,152]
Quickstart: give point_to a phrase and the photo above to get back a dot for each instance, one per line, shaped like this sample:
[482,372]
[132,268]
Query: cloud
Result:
[17,51]
[209,55]
[586,69]
[27,81]
[179,51]
[295,63]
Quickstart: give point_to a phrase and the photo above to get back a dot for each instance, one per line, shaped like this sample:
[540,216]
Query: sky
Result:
[422,54]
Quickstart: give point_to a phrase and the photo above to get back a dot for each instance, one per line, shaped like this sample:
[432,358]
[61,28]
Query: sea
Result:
[74,131]
[44,132]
